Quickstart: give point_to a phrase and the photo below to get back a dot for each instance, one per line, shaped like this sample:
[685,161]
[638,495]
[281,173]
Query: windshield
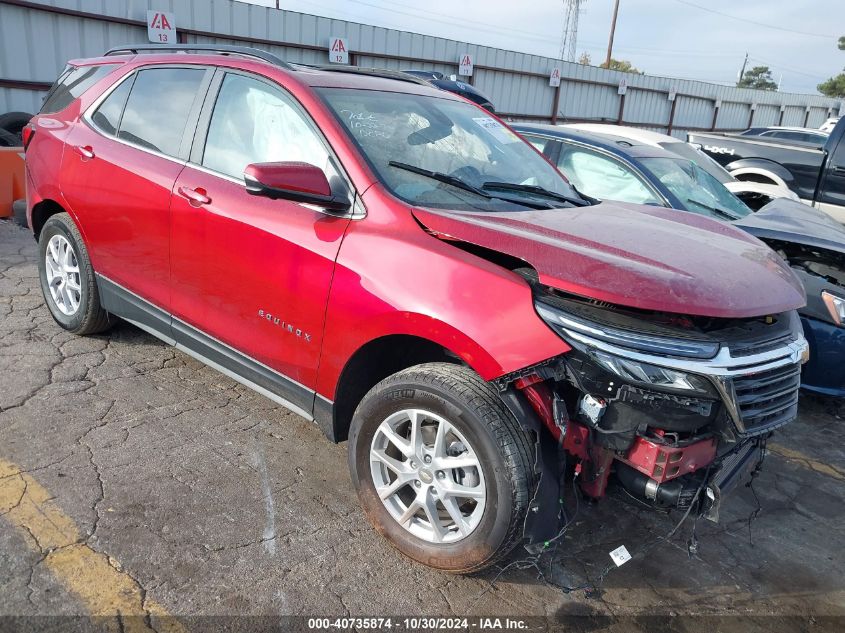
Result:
[701,159]
[441,153]
[699,191]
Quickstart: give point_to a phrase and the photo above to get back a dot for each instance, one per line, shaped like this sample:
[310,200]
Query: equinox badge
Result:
[284,324]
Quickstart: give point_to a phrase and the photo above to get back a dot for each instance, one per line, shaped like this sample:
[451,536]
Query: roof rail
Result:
[372,72]
[243,51]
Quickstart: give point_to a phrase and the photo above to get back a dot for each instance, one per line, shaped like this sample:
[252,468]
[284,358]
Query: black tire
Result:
[89,318]
[19,213]
[504,449]
[7,139]
[13,123]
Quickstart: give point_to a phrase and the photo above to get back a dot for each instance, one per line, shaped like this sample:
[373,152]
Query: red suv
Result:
[394,263]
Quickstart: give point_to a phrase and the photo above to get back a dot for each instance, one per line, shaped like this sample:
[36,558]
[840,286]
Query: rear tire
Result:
[468,533]
[67,278]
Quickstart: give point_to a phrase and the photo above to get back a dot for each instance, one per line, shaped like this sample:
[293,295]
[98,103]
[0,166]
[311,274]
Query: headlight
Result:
[635,371]
[574,329]
[836,306]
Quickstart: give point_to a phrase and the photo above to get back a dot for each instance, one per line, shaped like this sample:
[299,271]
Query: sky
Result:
[673,38]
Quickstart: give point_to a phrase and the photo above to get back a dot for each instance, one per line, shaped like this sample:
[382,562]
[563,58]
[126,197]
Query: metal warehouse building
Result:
[38,37]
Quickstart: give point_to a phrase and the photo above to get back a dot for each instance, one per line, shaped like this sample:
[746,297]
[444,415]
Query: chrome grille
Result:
[768,399]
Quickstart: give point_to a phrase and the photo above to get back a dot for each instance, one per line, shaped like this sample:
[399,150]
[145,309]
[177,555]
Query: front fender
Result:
[403,281]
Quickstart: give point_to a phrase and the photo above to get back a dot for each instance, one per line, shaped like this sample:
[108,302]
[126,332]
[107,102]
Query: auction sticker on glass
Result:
[496,129]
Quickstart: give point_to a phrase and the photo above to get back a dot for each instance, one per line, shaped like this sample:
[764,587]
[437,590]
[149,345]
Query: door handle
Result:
[837,169]
[86,151]
[196,196]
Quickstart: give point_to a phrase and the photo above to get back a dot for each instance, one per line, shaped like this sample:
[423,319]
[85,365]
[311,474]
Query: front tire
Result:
[441,467]
[67,278]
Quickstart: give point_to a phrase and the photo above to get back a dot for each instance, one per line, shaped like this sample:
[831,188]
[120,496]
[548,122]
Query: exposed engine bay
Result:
[675,409]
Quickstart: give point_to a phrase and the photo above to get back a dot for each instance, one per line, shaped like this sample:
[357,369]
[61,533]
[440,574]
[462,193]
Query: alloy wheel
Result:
[63,276]
[428,476]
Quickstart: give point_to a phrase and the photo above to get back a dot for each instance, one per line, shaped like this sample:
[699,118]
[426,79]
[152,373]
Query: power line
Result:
[786,68]
[754,22]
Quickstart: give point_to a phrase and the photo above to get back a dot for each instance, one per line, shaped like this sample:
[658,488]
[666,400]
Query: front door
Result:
[831,194]
[250,272]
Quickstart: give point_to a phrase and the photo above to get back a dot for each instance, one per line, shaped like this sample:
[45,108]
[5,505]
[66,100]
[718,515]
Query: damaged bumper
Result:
[671,422]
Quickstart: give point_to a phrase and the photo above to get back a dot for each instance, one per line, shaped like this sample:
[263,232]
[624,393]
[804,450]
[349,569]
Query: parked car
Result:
[608,167]
[451,84]
[828,125]
[799,134]
[817,175]
[396,264]
[754,194]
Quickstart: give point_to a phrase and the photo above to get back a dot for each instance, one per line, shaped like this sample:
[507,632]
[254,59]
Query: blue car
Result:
[614,168]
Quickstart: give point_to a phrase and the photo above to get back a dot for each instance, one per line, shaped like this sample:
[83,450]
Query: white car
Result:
[828,125]
[755,194]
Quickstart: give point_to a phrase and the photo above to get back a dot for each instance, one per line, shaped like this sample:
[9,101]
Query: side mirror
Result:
[300,182]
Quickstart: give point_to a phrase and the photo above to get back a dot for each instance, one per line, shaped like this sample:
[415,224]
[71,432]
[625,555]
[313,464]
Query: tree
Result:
[622,65]
[833,87]
[759,77]
[585,59]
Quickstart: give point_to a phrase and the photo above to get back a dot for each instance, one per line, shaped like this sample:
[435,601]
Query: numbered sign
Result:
[161,27]
[338,50]
[554,78]
[465,65]
[623,86]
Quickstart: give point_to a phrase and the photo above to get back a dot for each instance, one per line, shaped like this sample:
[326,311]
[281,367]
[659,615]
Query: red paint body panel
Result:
[122,198]
[637,256]
[241,254]
[663,463]
[394,278]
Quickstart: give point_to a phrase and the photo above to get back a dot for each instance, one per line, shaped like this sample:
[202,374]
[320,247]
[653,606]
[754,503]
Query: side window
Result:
[253,122]
[603,177]
[539,142]
[72,83]
[107,116]
[157,110]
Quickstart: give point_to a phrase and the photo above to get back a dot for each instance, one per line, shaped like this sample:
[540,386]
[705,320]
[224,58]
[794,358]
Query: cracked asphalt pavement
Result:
[205,498]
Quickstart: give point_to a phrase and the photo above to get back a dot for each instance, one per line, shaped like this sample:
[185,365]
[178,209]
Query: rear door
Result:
[118,171]
[251,275]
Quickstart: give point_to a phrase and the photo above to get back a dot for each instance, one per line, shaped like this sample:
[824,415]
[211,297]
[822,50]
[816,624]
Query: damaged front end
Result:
[677,408]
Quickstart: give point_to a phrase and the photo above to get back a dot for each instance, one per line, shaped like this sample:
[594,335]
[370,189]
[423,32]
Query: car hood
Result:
[790,221]
[771,190]
[636,256]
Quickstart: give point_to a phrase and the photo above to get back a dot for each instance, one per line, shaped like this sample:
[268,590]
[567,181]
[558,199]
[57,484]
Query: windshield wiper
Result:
[436,175]
[721,212]
[534,189]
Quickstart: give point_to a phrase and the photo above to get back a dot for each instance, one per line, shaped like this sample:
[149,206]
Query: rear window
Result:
[73,81]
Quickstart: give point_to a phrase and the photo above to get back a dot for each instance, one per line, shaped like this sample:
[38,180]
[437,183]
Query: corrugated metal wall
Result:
[36,38]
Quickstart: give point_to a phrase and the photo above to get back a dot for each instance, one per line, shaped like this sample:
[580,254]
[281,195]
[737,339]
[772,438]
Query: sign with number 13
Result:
[161,27]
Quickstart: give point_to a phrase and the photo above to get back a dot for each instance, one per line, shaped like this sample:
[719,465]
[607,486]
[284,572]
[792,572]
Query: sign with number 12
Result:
[338,51]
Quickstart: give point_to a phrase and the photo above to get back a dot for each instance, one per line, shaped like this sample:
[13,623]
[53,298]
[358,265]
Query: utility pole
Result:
[612,32]
[742,71]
